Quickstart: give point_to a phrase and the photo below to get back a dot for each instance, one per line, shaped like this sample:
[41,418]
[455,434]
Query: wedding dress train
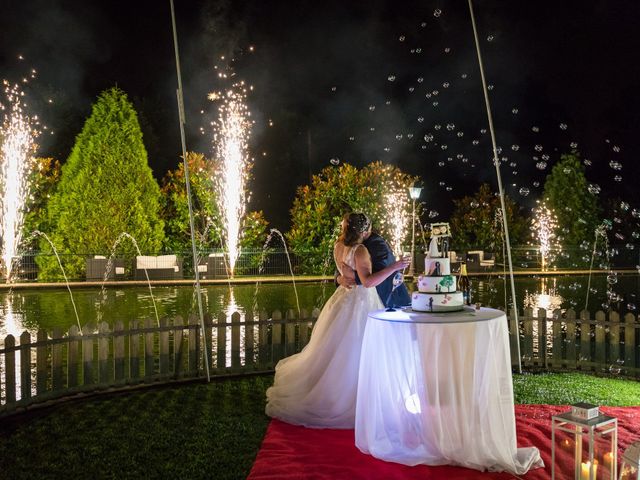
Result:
[317,387]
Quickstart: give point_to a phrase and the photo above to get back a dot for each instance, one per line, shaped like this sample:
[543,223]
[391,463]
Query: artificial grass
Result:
[201,430]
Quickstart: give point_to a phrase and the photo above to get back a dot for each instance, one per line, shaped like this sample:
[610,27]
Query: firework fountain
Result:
[543,226]
[396,203]
[232,130]
[17,137]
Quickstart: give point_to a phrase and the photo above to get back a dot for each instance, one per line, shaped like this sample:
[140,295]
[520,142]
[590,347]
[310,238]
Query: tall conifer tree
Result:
[106,188]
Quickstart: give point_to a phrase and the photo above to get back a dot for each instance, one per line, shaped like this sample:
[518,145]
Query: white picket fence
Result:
[57,364]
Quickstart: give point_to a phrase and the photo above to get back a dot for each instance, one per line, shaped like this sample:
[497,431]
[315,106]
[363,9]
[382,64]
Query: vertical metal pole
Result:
[413,239]
[188,183]
[496,162]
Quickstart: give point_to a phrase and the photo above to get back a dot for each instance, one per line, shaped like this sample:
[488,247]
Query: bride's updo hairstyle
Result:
[356,224]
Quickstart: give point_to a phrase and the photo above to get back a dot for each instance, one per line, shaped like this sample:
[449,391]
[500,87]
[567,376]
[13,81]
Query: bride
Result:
[317,387]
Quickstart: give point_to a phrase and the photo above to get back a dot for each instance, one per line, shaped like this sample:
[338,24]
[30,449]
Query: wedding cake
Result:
[437,288]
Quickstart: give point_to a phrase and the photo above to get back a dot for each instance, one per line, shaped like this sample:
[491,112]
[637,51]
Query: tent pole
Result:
[496,163]
[188,184]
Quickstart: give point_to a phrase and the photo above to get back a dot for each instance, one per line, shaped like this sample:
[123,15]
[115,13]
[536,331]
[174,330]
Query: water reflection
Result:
[544,296]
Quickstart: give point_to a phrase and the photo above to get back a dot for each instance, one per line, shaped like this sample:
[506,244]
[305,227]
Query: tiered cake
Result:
[437,287]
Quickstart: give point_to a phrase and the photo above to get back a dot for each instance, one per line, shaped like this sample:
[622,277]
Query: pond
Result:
[48,308]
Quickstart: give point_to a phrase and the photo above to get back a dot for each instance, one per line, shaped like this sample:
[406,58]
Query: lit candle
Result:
[607,459]
[586,466]
[566,444]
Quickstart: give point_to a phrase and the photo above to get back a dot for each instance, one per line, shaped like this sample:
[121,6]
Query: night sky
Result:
[355,82]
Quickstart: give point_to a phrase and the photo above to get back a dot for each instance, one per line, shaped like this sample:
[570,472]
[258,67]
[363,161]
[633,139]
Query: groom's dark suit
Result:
[382,256]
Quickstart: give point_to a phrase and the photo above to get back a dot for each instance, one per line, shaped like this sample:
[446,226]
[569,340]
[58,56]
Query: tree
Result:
[476,221]
[43,180]
[318,208]
[207,218]
[567,193]
[106,188]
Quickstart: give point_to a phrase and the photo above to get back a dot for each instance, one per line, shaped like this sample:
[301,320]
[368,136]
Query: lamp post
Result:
[414,193]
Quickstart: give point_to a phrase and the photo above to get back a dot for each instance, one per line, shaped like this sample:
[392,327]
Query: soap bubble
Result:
[524,191]
[612,278]
[514,111]
[428,137]
[435,104]
[437,126]
[460,134]
[587,162]
[334,161]
[538,148]
[573,144]
[536,184]
[391,78]
[541,165]
[515,148]
[618,178]
[624,206]
[352,138]
[445,85]
[490,38]
[420,119]
[372,108]
[450,126]
[437,12]
[444,146]
[401,38]
[447,50]
[420,79]
[433,214]
[593,189]
[616,148]
[563,126]
[535,129]
[615,165]
[464,75]
[387,149]
[475,142]
[441,164]
[635,213]
[399,136]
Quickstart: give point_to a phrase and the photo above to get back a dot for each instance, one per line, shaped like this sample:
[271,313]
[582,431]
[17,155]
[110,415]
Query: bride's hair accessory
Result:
[359,222]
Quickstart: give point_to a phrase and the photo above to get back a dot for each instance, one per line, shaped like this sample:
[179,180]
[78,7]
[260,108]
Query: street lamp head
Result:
[414,192]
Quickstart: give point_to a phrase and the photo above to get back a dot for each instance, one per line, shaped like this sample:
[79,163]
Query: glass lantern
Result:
[584,448]
[631,463]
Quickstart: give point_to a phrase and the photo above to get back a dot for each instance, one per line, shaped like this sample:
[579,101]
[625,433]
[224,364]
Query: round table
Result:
[436,389]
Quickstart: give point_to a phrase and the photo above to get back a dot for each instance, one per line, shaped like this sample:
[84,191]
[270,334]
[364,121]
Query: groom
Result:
[381,256]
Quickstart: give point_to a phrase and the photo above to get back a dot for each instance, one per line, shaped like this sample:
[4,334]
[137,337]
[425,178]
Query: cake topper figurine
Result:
[439,244]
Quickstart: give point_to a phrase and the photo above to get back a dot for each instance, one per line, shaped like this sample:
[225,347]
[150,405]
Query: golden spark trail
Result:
[398,219]
[543,226]
[17,137]
[230,148]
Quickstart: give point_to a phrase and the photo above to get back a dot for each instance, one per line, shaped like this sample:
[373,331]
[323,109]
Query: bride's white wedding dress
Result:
[317,387]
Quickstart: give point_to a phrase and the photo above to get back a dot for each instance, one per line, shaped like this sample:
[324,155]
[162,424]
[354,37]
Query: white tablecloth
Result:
[436,389]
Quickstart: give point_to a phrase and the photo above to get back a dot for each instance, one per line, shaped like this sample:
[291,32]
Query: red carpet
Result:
[289,452]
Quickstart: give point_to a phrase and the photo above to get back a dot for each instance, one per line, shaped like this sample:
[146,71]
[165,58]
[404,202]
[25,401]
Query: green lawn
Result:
[201,430]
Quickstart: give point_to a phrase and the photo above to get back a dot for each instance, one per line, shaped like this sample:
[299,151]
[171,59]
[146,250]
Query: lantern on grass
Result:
[630,469]
[589,440]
